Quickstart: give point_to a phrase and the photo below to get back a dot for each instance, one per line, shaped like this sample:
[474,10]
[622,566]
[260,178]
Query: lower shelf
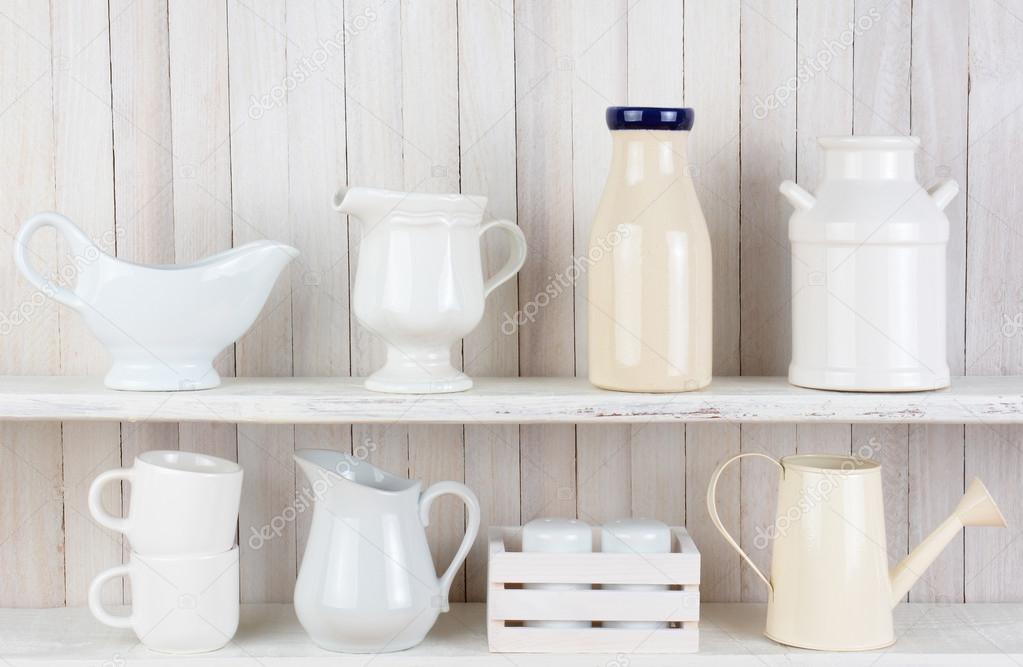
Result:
[269,635]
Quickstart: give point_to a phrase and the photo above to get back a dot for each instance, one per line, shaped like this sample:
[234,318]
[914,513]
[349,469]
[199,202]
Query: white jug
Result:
[367,581]
[162,325]
[419,284]
[829,587]
[868,271]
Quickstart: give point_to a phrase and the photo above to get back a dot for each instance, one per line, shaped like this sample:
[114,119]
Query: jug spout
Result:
[367,204]
[977,508]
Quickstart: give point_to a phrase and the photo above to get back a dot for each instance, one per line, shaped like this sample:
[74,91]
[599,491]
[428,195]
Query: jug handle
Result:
[716,520]
[80,244]
[472,527]
[515,260]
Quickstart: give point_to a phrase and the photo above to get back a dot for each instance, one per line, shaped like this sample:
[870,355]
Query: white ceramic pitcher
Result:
[367,581]
[830,588]
[419,284]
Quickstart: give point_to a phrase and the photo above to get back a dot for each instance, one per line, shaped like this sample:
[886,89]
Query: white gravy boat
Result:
[162,325]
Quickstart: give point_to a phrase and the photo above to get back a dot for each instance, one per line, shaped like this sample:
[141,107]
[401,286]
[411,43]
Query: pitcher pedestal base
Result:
[418,371]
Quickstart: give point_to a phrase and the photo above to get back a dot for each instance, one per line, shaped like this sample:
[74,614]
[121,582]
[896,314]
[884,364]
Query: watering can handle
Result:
[716,520]
[472,527]
[515,260]
[80,246]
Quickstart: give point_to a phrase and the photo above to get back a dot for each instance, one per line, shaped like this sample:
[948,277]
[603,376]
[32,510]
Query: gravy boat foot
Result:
[160,376]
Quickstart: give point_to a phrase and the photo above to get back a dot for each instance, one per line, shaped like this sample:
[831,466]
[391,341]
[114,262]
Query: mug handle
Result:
[515,260]
[712,508]
[472,527]
[96,602]
[80,245]
[120,524]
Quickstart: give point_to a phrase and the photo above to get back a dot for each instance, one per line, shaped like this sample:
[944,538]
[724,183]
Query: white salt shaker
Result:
[635,536]
[557,536]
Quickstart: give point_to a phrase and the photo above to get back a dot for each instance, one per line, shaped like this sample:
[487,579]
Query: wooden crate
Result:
[509,604]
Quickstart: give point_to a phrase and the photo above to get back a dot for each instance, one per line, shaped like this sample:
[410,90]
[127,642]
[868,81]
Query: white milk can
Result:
[868,271]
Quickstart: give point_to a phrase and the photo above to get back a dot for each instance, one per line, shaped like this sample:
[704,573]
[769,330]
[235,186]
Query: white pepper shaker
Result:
[635,536]
[557,536]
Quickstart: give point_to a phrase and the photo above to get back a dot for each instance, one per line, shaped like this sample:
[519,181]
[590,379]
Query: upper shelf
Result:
[970,400]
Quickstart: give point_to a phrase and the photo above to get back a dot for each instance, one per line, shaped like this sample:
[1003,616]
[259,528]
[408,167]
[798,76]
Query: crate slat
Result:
[593,640]
[595,568]
[596,605]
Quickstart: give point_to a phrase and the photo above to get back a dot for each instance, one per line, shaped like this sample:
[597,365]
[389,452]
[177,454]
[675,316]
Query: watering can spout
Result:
[977,508]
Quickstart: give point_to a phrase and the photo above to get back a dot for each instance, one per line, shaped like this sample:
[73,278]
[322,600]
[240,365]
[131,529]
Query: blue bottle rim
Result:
[650,118]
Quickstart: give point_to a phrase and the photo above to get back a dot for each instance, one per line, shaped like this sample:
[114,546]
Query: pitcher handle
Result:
[80,243]
[943,192]
[515,260]
[716,520]
[472,527]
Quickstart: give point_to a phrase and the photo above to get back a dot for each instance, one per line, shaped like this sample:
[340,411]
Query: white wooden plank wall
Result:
[172,130]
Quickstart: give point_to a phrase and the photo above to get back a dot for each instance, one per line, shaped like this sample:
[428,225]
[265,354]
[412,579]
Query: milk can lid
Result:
[649,118]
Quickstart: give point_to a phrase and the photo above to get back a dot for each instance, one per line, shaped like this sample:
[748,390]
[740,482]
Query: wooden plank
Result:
[543,94]
[599,51]
[882,105]
[200,131]
[317,166]
[824,106]
[31,497]
[486,104]
[429,75]
[373,123]
[712,89]
[728,400]
[593,640]
[940,106]
[85,193]
[656,453]
[260,199]
[143,172]
[768,34]
[994,298]
[987,634]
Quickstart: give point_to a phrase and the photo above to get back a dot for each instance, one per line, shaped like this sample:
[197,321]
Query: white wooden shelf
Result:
[988,400]
[269,635]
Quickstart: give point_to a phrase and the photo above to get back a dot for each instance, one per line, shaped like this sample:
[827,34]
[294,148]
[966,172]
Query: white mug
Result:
[180,604]
[182,503]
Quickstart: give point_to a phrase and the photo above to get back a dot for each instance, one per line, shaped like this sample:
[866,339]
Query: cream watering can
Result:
[367,581]
[830,588]
[162,325]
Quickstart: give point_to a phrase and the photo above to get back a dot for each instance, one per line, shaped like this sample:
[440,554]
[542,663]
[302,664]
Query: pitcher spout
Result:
[977,508]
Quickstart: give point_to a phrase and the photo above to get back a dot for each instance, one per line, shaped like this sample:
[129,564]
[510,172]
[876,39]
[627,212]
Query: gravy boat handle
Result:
[81,246]
[712,508]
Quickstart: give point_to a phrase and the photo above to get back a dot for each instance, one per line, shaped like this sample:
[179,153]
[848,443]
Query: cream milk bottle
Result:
[650,271]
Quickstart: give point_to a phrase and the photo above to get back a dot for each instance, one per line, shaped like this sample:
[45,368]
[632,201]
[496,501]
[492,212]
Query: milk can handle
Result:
[515,260]
[716,520]
[472,527]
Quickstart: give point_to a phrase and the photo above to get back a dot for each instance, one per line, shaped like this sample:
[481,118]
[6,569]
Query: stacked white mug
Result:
[184,564]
